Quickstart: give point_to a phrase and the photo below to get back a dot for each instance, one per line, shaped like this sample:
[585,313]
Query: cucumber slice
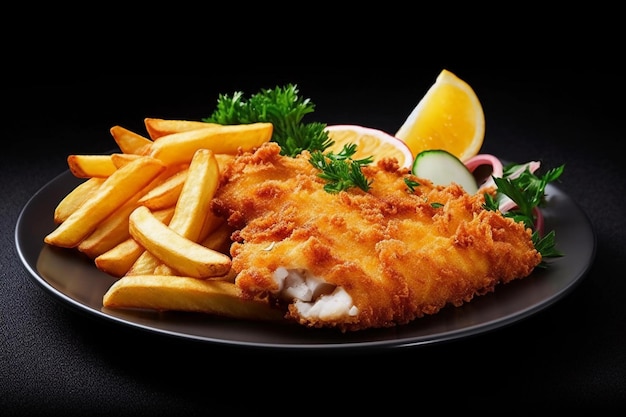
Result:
[443,168]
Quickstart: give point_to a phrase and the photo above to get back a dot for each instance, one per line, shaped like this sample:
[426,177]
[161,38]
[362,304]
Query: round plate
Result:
[72,278]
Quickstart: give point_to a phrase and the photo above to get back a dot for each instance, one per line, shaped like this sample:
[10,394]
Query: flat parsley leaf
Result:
[528,193]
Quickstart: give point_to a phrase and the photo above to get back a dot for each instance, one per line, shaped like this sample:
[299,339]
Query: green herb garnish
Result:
[546,246]
[281,106]
[411,184]
[340,170]
[527,191]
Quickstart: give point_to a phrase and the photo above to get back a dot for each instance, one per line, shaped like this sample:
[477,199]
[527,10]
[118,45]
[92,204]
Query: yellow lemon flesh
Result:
[369,142]
[449,117]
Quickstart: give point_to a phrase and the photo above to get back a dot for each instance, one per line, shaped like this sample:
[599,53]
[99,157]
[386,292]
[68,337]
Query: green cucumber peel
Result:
[443,168]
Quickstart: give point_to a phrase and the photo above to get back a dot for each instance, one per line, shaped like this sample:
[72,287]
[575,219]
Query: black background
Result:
[569,357]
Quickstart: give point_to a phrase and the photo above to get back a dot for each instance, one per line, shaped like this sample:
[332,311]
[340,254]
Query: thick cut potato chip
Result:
[108,233]
[162,269]
[176,293]
[143,216]
[179,253]
[112,194]
[224,159]
[165,194]
[130,142]
[180,147]
[114,229]
[87,166]
[118,260]
[192,207]
[121,159]
[219,239]
[212,225]
[194,201]
[75,198]
[146,263]
[163,127]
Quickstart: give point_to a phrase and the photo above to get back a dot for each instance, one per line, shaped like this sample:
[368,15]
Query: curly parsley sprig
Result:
[285,110]
[340,170]
[281,106]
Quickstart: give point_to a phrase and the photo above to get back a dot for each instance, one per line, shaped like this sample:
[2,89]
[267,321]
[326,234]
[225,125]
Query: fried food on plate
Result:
[355,260]
[118,260]
[191,212]
[75,198]
[162,127]
[114,228]
[87,166]
[147,220]
[166,193]
[179,148]
[163,292]
[130,142]
[116,189]
[179,253]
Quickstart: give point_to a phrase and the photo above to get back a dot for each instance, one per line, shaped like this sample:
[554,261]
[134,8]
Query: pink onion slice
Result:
[532,167]
[485,160]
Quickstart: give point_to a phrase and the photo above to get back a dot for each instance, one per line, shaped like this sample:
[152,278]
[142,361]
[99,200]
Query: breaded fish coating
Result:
[355,260]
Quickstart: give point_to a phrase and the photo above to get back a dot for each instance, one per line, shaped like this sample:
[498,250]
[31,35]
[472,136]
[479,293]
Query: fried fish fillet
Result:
[356,260]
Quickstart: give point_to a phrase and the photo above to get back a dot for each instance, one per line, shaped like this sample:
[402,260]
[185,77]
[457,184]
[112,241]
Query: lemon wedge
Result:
[449,117]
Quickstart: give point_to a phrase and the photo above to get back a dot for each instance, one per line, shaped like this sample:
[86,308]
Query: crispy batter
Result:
[399,255]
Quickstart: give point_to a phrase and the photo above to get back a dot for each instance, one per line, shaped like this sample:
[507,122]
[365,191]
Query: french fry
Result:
[114,229]
[109,232]
[100,166]
[211,224]
[112,194]
[163,269]
[130,142]
[165,194]
[180,147]
[219,239]
[195,197]
[75,198]
[163,127]
[191,208]
[176,293]
[143,216]
[121,159]
[118,260]
[164,215]
[179,253]
[146,263]
[223,159]
[150,264]
[87,166]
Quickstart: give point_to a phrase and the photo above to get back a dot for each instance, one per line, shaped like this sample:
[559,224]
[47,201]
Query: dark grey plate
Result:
[74,280]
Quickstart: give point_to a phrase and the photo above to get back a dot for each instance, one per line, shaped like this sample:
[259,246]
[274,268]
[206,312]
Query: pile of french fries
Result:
[143,215]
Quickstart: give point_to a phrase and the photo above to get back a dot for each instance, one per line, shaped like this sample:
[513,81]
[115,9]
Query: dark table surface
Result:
[570,356]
